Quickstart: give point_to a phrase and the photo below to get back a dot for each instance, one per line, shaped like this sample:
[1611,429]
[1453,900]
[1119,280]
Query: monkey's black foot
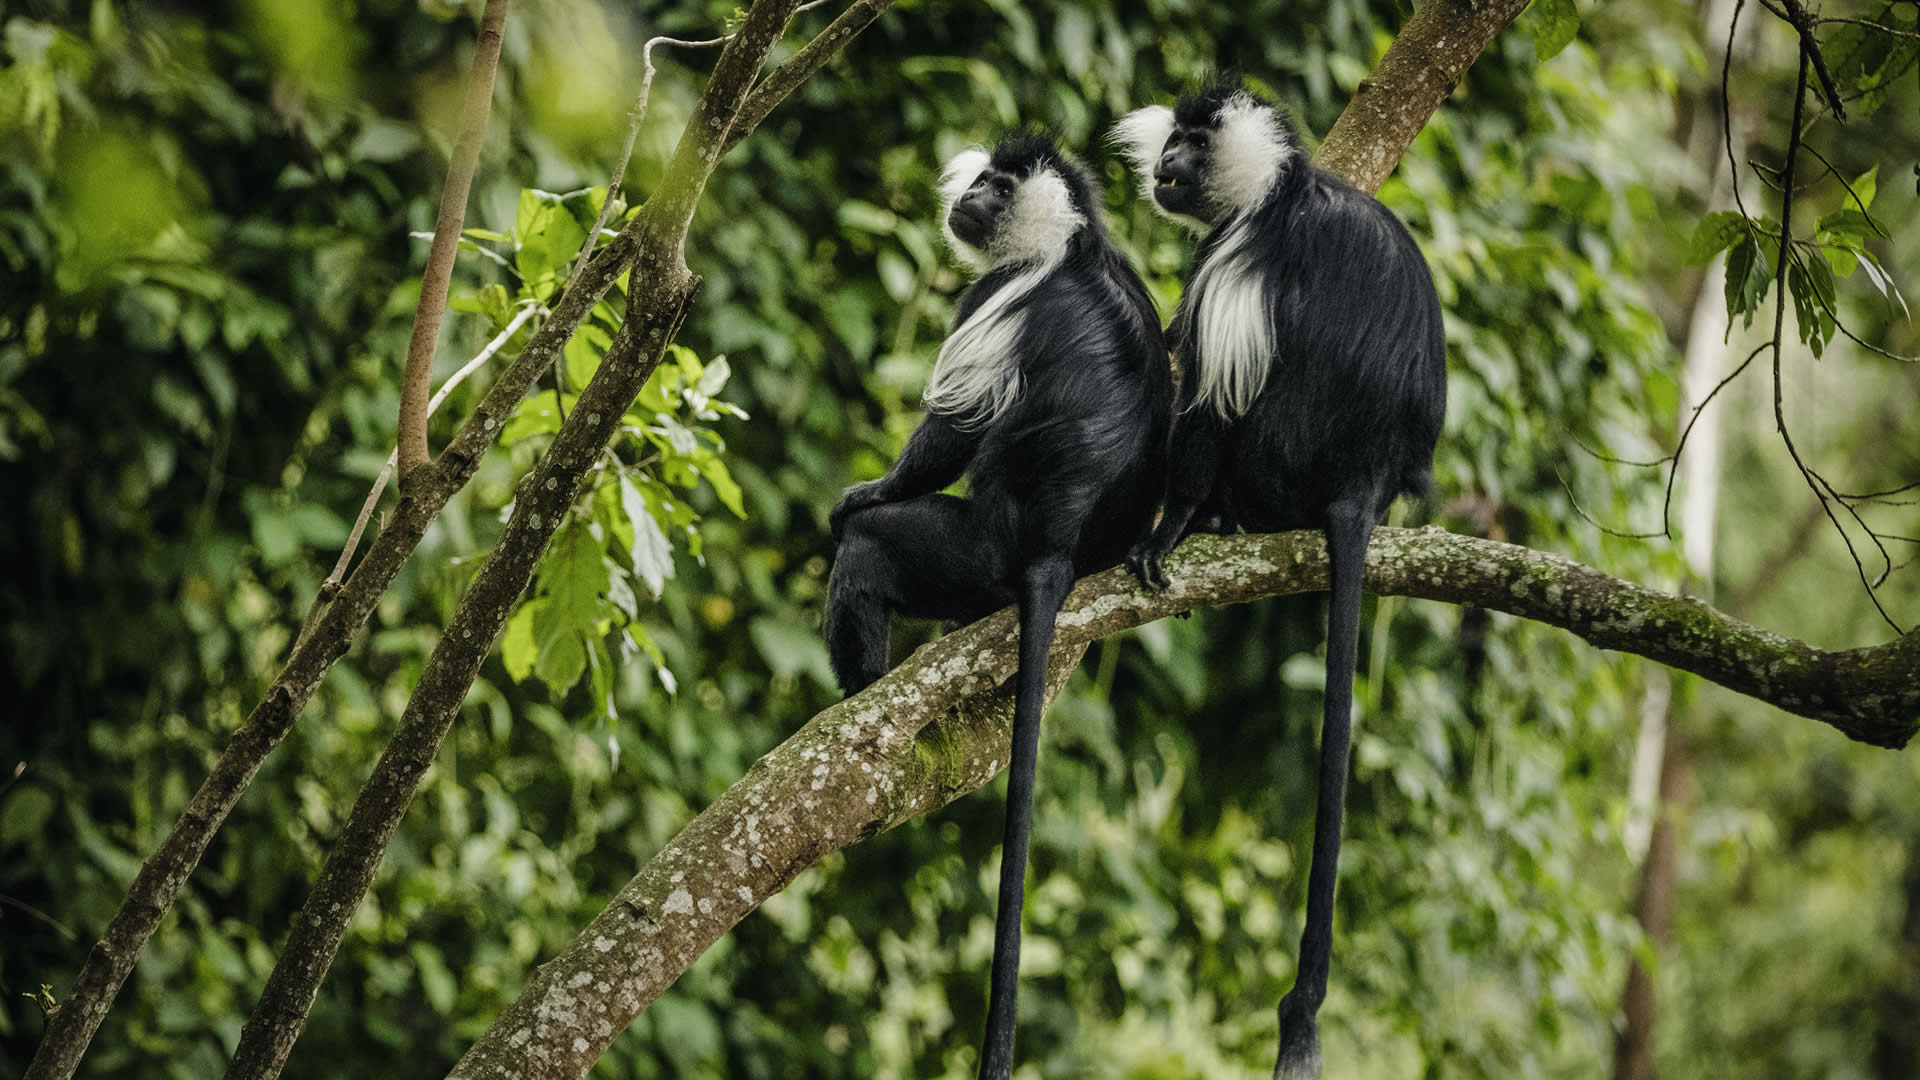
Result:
[1145,560]
[1299,1042]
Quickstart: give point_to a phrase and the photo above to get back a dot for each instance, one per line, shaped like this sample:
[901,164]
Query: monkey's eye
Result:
[1003,187]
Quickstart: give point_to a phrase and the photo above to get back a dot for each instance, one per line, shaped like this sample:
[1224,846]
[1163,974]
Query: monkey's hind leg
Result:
[926,557]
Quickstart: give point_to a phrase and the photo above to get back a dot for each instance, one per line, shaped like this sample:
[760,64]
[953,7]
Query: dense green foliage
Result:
[206,276]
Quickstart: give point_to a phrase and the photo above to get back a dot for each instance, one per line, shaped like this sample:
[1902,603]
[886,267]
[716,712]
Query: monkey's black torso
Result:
[1077,463]
[1353,403]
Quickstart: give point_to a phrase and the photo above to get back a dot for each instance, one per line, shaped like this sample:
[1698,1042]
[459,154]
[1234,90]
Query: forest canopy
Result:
[339,713]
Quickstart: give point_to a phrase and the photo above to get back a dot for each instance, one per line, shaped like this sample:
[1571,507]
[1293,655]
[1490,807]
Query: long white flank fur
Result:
[1232,326]
[977,376]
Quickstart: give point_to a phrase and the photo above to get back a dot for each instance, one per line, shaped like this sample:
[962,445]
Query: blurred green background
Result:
[206,281]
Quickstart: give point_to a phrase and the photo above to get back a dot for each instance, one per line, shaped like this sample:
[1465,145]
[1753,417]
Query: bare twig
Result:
[438,275]
[1815,482]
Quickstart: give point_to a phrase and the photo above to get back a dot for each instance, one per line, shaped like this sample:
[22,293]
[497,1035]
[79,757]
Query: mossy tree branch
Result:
[940,725]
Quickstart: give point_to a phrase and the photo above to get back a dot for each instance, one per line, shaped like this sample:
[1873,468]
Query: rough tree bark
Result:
[338,615]
[935,728]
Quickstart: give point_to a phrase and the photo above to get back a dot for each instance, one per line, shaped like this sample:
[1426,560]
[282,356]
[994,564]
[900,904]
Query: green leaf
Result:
[1748,275]
[518,650]
[435,980]
[1552,24]
[855,214]
[652,554]
[1713,234]
[714,378]
[1867,185]
[583,354]
[562,663]
[715,470]
[1847,224]
[791,650]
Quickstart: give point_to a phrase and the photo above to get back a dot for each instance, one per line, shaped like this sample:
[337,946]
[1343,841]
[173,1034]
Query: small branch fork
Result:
[1832,502]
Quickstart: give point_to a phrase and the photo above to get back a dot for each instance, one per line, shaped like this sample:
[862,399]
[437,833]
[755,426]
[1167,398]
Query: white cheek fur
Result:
[1249,153]
[977,375]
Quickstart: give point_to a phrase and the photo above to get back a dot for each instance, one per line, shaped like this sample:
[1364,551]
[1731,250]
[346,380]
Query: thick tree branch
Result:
[1422,66]
[417,379]
[935,728]
[852,771]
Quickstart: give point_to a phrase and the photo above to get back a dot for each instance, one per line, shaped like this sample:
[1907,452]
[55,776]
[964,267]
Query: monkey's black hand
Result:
[858,497]
[1145,562]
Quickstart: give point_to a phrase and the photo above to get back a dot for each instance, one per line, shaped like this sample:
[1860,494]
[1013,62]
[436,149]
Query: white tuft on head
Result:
[1232,326]
[1141,136]
[977,376]
[1250,151]
[959,175]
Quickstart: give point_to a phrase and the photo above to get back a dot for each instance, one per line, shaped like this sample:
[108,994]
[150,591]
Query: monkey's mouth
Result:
[971,225]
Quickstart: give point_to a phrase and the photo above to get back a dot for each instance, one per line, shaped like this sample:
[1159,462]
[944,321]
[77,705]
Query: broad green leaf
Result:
[714,378]
[561,662]
[1073,39]
[856,214]
[1749,273]
[1867,185]
[652,554]
[1846,223]
[1713,234]
[518,649]
[715,470]
[791,650]
[583,354]
[1552,24]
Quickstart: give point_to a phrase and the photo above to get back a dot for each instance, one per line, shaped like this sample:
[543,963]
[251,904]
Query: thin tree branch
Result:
[656,304]
[434,282]
[72,1024]
[783,80]
[936,728]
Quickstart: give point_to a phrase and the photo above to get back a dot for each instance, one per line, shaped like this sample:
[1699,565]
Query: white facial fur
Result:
[977,375]
[955,179]
[1249,153]
[1141,136]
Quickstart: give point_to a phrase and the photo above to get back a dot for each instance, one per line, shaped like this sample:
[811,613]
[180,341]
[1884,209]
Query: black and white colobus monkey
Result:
[1053,394]
[1314,381]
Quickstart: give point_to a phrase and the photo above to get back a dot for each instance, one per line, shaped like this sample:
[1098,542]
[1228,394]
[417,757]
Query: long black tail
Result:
[1349,528]
[1043,588]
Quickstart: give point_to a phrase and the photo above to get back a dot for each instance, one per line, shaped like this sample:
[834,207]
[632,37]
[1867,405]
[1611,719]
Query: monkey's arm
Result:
[935,456]
[1199,440]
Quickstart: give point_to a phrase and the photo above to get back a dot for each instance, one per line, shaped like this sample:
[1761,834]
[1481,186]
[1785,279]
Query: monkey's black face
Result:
[977,213]
[1184,161]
